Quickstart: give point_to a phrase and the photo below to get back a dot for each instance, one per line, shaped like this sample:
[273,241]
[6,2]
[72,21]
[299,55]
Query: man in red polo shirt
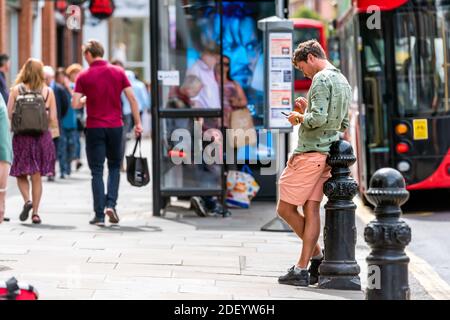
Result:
[99,88]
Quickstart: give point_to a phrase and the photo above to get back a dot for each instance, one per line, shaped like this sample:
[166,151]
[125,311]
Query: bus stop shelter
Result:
[182,33]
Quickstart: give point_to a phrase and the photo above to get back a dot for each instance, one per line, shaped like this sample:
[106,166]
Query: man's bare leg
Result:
[311,233]
[296,221]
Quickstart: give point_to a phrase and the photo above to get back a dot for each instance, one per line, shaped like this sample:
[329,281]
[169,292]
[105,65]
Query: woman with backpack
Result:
[5,155]
[32,108]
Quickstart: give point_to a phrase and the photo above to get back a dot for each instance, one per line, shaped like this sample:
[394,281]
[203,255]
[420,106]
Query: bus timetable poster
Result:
[280,79]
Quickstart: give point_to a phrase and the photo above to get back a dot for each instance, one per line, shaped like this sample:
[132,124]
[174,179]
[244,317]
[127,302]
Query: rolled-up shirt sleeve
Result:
[317,113]
[345,123]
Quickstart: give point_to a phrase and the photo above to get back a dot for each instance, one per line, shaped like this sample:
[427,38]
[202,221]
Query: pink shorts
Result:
[303,178]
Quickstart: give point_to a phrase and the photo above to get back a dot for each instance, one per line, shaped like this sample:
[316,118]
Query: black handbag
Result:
[138,174]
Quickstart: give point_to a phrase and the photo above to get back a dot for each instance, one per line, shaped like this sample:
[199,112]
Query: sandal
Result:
[36,219]
[26,211]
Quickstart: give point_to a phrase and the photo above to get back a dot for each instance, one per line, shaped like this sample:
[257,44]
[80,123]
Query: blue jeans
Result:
[101,144]
[67,150]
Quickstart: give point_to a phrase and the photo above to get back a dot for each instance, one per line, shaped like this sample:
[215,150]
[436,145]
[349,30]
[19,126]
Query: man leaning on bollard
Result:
[322,117]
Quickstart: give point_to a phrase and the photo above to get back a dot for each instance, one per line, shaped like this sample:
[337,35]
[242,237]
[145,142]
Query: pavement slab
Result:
[178,257]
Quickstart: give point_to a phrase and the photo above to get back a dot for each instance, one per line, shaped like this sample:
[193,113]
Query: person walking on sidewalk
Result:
[99,88]
[62,105]
[34,155]
[6,155]
[4,68]
[72,72]
[322,117]
[68,132]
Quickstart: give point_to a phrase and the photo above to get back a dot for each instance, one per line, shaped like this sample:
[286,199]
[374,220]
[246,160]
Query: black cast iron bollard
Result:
[339,270]
[387,236]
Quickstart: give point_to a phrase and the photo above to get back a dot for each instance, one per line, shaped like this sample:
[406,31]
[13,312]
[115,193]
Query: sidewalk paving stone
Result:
[179,256]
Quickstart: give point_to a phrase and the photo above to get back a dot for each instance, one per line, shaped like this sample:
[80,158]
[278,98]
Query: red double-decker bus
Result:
[304,30]
[396,56]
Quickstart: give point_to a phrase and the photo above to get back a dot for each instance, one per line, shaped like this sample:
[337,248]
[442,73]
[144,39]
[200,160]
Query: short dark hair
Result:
[60,71]
[95,48]
[306,48]
[4,58]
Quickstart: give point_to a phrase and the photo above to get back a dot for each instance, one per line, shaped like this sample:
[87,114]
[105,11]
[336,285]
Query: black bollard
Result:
[387,236]
[339,270]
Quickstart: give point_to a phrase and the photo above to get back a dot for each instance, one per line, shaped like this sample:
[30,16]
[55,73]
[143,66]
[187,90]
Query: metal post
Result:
[387,236]
[278,224]
[339,270]
[156,163]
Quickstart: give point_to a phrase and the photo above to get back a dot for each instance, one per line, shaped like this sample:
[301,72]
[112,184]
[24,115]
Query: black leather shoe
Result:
[98,222]
[295,278]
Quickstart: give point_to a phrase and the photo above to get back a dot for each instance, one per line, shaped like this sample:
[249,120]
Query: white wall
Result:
[36,46]
[124,8]
[98,30]
[132,8]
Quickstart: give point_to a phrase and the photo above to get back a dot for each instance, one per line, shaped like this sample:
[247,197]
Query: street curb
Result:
[424,273]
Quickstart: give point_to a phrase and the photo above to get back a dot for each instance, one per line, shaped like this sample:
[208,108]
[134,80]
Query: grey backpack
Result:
[30,114]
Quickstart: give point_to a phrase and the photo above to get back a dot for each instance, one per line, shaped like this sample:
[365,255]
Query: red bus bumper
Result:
[439,180]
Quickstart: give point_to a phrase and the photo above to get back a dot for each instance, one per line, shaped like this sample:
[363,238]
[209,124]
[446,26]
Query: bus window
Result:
[419,55]
[374,89]
[374,54]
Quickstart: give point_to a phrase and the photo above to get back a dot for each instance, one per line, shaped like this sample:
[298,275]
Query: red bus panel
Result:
[439,179]
[385,5]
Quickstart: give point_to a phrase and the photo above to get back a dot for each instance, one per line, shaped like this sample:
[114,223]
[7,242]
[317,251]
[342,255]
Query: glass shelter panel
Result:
[190,157]
[195,30]
[205,49]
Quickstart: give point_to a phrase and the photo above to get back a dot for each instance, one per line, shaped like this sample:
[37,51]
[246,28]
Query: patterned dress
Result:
[33,154]
[6,153]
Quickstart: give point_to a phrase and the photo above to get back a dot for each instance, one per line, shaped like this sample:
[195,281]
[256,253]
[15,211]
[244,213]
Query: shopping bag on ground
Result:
[252,186]
[138,174]
[241,188]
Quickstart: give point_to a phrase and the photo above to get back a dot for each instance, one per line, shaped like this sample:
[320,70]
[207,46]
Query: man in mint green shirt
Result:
[322,117]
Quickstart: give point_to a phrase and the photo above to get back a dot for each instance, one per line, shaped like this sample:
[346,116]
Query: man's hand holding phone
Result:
[294,118]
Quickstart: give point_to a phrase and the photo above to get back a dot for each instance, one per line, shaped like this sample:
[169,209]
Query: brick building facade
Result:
[35,28]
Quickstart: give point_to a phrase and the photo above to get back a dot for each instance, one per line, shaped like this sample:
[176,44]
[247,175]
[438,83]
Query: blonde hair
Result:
[32,74]
[74,68]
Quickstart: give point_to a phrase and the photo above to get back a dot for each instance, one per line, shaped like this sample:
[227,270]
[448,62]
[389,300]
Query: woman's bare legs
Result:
[4,173]
[36,190]
[24,187]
